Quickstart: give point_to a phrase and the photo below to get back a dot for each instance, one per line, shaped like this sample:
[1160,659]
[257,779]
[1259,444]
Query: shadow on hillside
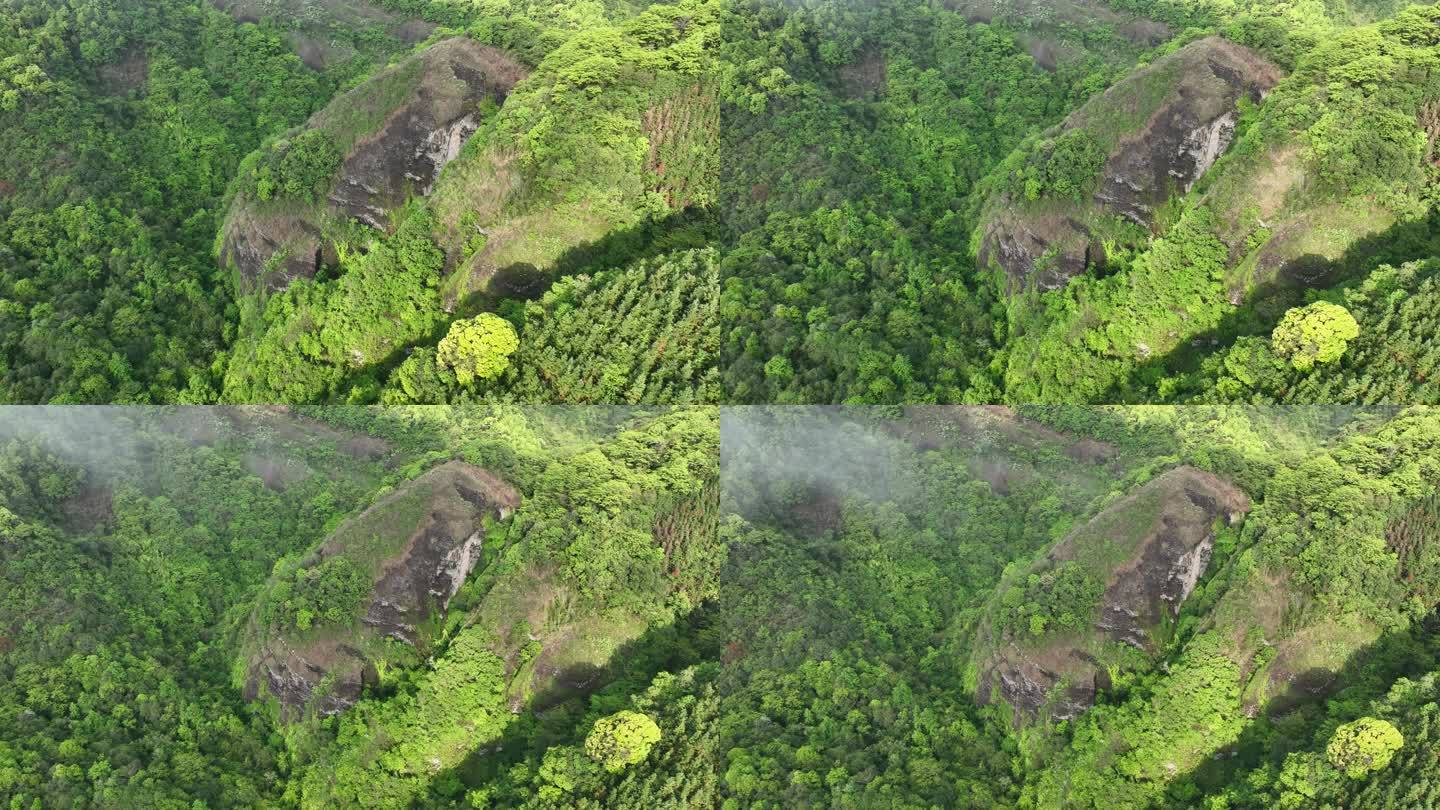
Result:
[1293,719]
[524,281]
[552,716]
[1269,301]
[688,227]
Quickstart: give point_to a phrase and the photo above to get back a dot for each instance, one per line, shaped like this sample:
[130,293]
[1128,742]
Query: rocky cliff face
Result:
[323,678]
[445,548]
[1185,109]
[405,155]
[425,539]
[1163,535]
[426,107]
[272,250]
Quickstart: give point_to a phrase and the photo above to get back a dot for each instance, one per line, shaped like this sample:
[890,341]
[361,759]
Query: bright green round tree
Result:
[478,348]
[621,740]
[1312,334]
[1364,746]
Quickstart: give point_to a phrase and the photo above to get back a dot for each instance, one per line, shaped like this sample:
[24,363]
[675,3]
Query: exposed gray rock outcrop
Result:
[327,679]
[1166,530]
[1187,102]
[430,536]
[419,131]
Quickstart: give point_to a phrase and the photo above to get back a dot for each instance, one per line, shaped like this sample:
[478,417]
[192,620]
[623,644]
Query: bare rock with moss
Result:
[1117,161]
[393,135]
[412,551]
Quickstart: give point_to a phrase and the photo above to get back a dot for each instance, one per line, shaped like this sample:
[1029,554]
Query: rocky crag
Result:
[1162,128]
[1148,550]
[396,132]
[418,545]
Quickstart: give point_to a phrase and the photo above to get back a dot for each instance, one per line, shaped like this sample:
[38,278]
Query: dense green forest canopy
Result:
[135,543]
[871,551]
[130,130]
[873,151]
[749,200]
[822,620]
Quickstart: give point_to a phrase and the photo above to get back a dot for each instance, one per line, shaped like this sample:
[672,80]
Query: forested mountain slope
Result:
[1098,603]
[1333,178]
[250,607]
[869,576]
[322,629]
[176,168]
[602,157]
[1062,606]
[1080,201]
[359,159]
[120,131]
[1117,162]
[852,142]
[775,201]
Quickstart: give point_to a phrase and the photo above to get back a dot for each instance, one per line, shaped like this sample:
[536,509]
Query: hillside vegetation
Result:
[415,201]
[485,606]
[248,607]
[585,168]
[271,238]
[1330,179]
[875,556]
[1255,631]
[1077,202]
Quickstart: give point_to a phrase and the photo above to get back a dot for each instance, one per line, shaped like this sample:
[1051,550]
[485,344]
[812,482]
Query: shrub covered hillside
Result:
[1099,200]
[259,202]
[491,607]
[1073,607]
[241,607]
[562,205]
[695,201]
[1329,184]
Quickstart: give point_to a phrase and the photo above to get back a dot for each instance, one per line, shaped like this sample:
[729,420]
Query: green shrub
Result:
[1066,167]
[300,168]
[1312,334]
[330,593]
[1364,746]
[621,740]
